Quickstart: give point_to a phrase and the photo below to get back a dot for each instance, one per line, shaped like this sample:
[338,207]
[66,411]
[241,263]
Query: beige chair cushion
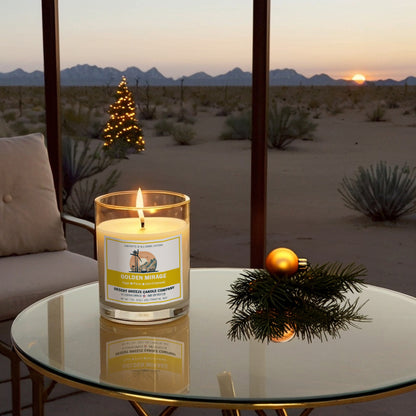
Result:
[29,217]
[33,276]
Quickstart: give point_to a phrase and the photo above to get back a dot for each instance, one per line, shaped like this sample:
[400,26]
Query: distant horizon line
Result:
[202,71]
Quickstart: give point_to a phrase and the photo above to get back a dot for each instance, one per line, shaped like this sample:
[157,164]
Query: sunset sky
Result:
[181,37]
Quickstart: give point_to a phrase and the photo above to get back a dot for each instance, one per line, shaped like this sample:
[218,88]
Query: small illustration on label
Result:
[142,262]
[143,273]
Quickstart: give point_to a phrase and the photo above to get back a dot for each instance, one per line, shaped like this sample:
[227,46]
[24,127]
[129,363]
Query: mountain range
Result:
[92,75]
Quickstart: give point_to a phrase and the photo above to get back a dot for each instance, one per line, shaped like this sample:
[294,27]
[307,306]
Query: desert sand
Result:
[305,210]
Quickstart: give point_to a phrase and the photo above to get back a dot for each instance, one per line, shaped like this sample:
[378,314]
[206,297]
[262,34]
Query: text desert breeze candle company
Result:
[143,255]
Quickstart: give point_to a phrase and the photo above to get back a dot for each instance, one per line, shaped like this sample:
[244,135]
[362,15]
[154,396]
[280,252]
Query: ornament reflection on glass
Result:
[154,358]
[286,337]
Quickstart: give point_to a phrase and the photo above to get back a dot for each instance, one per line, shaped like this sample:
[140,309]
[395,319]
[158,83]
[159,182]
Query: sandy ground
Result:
[305,210]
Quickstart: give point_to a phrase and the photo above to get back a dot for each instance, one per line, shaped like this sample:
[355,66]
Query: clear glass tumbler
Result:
[143,255]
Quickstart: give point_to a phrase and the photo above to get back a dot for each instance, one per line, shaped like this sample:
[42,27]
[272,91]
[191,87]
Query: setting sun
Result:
[359,78]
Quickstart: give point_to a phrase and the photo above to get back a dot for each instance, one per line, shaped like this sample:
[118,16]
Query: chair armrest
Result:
[70,219]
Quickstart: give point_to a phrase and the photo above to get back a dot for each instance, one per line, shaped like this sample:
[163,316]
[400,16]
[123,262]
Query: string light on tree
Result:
[123,132]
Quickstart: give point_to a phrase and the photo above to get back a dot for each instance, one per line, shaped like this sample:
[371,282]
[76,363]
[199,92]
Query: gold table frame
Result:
[229,407]
[40,393]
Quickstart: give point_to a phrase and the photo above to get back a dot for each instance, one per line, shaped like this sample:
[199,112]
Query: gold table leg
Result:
[231,412]
[16,394]
[226,412]
[168,411]
[141,412]
[37,392]
[282,412]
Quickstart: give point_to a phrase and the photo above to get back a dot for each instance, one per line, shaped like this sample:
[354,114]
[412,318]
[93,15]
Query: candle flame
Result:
[140,203]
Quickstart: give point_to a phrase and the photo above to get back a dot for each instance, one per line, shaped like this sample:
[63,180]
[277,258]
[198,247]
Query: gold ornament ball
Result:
[282,261]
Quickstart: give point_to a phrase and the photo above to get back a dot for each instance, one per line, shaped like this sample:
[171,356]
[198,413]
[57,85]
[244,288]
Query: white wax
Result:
[155,228]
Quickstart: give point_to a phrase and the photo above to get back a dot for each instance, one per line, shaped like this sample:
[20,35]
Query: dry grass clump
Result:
[382,193]
[238,127]
[183,134]
[286,124]
[378,113]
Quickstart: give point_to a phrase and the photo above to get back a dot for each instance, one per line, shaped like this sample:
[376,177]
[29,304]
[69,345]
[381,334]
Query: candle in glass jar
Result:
[143,256]
[143,266]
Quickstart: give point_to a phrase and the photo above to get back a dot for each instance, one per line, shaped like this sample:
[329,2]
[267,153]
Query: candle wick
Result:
[141,222]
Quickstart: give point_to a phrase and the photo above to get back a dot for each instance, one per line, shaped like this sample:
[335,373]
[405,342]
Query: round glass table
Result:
[192,362]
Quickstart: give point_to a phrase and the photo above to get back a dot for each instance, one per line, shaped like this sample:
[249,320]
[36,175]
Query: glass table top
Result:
[192,359]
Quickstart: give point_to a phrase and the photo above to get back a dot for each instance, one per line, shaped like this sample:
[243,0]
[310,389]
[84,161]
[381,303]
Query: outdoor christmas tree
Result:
[123,133]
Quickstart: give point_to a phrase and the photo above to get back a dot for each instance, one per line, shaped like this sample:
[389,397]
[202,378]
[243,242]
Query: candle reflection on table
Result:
[150,358]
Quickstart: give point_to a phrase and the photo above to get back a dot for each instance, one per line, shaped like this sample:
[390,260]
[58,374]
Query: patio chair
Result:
[34,259]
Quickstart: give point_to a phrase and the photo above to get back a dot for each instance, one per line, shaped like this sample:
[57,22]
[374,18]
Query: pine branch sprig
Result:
[327,320]
[312,302]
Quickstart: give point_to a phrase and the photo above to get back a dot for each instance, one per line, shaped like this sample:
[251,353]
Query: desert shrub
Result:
[223,112]
[184,116]
[21,127]
[287,124]
[35,115]
[377,114]
[81,203]
[383,193]
[316,114]
[392,104]
[79,122]
[81,161]
[147,112]
[238,127]
[183,134]
[96,113]
[5,129]
[314,104]
[10,115]
[163,127]
[334,108]
[168,112]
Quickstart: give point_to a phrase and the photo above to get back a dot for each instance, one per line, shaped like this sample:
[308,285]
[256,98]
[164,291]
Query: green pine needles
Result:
[311,302]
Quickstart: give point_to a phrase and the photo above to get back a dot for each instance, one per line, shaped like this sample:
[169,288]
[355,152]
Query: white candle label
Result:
[143,273]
